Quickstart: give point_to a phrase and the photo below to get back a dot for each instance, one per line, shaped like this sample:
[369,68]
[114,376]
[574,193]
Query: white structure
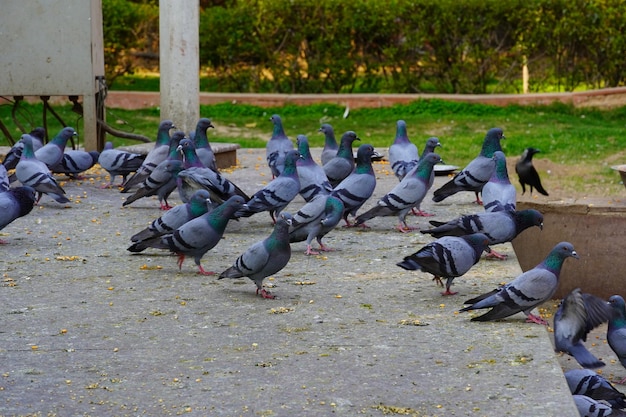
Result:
[54,48]
[179,62]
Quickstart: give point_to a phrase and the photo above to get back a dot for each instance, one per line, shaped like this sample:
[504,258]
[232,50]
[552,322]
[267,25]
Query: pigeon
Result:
[197,236]
[588,407]
[330,143]
[51,153]
[498,193]
[276,195]
[15,203]
[616,331]
[201,141]
[529,290]
[13,156]
[477,172]
[447,257]
[499,226]
[431,144]
[75,162]
[196,176]
[589,383]
[264,258]
[577,315]
[117,162]
[313,180]
[359,186]
[32,172]
[162,179]
[158,154]
[403,197]
[199,204]
[4,179]
[403,154]
[315,220]
[338,168]
[527,173]
[277,147]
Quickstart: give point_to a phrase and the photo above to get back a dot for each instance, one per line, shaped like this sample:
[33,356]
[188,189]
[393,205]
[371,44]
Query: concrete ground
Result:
[90,329]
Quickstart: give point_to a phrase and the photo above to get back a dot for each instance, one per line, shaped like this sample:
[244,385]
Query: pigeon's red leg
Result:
[536,319]
[493,254]
[448,292]
[265,294]
[420,212]
[310,251]
[181,259]
[405,228]
[202,271]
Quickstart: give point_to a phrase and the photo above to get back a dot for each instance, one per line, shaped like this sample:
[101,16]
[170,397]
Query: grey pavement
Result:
[89,329]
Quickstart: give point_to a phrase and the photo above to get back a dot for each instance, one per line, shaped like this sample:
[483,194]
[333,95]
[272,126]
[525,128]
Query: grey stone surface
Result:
[90,329]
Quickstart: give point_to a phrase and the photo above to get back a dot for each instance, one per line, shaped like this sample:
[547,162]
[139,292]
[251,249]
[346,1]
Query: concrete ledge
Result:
[225,153]
[596,228]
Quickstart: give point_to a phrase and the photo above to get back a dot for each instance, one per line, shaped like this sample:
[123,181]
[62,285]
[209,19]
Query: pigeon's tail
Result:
[142,192]
[154,242]
[145,234]
[231,272]
[137,178]
[584,357]
[59,198]
[445,191]
[376,211]
[410,263]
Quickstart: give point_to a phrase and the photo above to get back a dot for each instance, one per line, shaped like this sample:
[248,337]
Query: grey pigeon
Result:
[313,180]
[278,193]
[201,142]
[616,331]
[32,172]
[588,407]
[527,173]
[199,204]
[15,203]
[359,186]
[431,143]
[339,167]
[498,193]
[117,162]
[477,172]
[330,143]
[158,154]
[499,226]
[447,257]
[405,195]
[403,154]
[264,258]
[576,316]
[75,162]
[315,220]
[13,156]
[529,290]
[589,383]
[51,153]
[197,236]
[277,147]
[162,180]
[195,176]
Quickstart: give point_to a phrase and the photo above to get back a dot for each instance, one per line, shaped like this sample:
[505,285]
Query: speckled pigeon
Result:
[527,173]
[313,180]
[498,193]
[405,195]
[339,167]
[51,153]
[359,186]
[162,181]
[201,142]
[403,154]
[13,156]
[197,236]
[264,258]
[277,147]
[616,331]
[199,204]
[117,162]
[499,226]
[589,383]
[330,143]
[447,257]
[477,172]
[75,162]
[32,172]
[529,290]
[276,195]
[315,220]
[577,315]
[15,203]
[158,154]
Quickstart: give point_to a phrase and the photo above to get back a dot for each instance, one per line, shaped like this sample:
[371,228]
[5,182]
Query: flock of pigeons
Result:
[334,191]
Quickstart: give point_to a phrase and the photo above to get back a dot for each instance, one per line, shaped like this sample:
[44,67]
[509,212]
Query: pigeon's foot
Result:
[165,206]
[621,381]
[202,271]
[421,213]
[495,255]
[310,251]
[405,228]
[438,281]
[265,294]
[536,319]
[105,186]
[3,242]
[448,292]
[325,248]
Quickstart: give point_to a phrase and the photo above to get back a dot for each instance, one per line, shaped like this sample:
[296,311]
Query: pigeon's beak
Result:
[179,148]
[541,226]
[575,255]
[211,125]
